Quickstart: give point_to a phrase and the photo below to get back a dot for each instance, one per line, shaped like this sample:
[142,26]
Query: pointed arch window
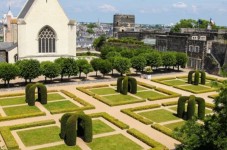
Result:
[47,40]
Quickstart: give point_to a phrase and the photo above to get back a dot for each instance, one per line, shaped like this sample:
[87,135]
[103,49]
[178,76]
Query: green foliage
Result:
[119,84]
[90,31]
[87,68]
[71,130]
[64,119]
[85,125]
[105,67]
[181,60]
[138,63]
[203,77]
[99,42]
[154,59]
[95,63]
[82,64]
[181,106]
[122,65]
[8,72]
[68,67]
[28,69]
[125,86]
[132,85]
[91,25]
[184,23]
[127,53]
[190,76]
[168,59]
[201,107]
[196,78]
[191,107]
[8,138]
[113,54]
[49,69]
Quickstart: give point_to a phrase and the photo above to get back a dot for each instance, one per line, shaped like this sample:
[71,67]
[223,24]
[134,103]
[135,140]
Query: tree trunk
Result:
[178,67]
[61,77]
[80,75]
[112,71]
[96,73]
[30,80]
[8,83]
[121,74]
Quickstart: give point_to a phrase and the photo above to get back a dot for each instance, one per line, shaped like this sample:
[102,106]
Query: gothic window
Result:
[47,40]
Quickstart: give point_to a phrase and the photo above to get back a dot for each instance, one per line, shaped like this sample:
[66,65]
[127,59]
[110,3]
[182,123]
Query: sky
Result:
[146,11]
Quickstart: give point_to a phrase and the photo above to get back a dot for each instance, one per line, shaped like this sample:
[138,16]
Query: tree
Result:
[127,53]
[105,67]
[106,49]
[82,64]
[87,68]
[112,62]
[181,60]
[50,69]
[68,67]
[113,54]
[95,63]
[168,59]
[99,42]
[122,65]
[138,63]
[154,59]
[212,134]
[90,31]
[8,72]
[184,23]
[29,69]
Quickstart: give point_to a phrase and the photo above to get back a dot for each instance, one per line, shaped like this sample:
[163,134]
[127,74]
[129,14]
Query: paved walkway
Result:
[113,111]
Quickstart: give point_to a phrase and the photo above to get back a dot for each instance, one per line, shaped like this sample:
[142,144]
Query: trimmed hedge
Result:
[201,107]
[170,103]
[86,127]
[195,92]
[125,86]
[146,139]
[119,84]
[146,85]
[203,77]
[196,78]
[9,139]
[27,95]
[191,107]
[64,119]
[111,119]
[130,112]
[132,85]
[33,124]
[209,105]
[82,89]
[22,116]
[190,76]
[42,93]
[181,106]
[71,130]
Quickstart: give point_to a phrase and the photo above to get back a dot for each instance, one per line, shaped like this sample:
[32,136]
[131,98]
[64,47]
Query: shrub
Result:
[146,85]
[42,93]
[85,127]
[28,86]
[190,77]
[64,119]
[170,103]
[196,78]
[191,107]
[9,139]
[125,86]
[132,85]
[71,130]
[203,77]
[30,93]
[201,107]
[119,84]
[181,106]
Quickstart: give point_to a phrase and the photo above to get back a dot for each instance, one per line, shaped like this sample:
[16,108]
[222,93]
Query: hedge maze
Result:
[191,100]
[30,93]
[126,84]
[73,125]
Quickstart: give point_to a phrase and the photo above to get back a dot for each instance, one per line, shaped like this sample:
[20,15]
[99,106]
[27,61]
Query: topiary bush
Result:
[64,119]
[86,126]
[181,106]
[196,78]
[71,130]
[133,85]
[42,93]
[201,107]
[31,95]
[119,84]
[191,107]
[190,76]
[125,86]
[27,91]
[203,77]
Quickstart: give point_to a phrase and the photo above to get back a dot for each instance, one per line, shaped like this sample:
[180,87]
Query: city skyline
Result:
[146,11]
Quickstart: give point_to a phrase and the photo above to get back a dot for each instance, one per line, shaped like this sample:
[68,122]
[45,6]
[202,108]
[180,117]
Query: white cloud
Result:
[194,8]
[180,5]
[107,8]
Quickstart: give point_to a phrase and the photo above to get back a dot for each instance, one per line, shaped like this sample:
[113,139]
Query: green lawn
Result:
[54,96]
[12,101]
[61,147]
[121,99]
[114,142]
[20,110]
[100,127]
[174,82]
[207,111]
[160,115]
[140,88]
[172,126]
[40,136]
[103,91]
[195,88]
[150,94]
[53,106]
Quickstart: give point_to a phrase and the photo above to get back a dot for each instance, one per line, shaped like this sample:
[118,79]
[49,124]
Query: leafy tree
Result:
[105,67]
[154,59]
[106,49]
[113,54]
[8,72]
[90,31]
[138,63]
[95,63]
[112,62]
[68,67]
[122,65]
[181,60]
[29,69]
[99,42]
[184,23]
[212,134]
[127,53]
[87,68]
[224,70]
[82,64]
[168,59]
[50,69]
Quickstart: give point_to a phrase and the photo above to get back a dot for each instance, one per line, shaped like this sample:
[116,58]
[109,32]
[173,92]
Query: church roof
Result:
[26,8]
[7,46]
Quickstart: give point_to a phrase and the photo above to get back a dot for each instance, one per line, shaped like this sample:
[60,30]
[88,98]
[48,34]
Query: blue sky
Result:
[146,11]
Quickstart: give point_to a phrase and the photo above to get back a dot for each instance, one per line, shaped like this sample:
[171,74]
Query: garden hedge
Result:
[132,85]
[181,106]
[119,84]
[190,76]
[85,127]
[71,130]
[203,77]
[191,107]
[125,86]
[196,78]
[28,86]
[201,107]
[64,119]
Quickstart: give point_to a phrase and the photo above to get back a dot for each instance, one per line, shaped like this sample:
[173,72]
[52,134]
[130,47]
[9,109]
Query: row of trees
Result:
[31,69]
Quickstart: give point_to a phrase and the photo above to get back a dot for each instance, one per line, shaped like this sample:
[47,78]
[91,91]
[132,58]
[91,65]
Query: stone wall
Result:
[219,51]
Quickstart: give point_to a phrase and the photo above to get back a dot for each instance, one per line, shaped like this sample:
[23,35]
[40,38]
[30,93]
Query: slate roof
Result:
[26,9]
[7,46]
